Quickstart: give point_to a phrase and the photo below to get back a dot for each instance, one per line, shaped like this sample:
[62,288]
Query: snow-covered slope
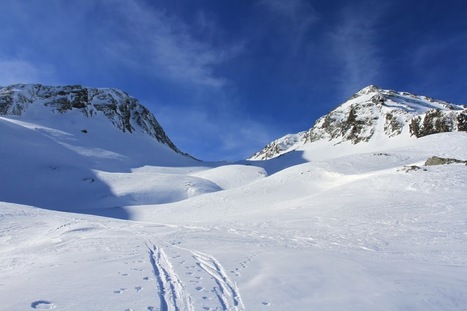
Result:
[352,227]
[374,115]
[124,112]
[365,231]
[81,149]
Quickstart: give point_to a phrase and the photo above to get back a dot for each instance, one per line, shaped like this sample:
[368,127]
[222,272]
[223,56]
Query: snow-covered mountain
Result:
[374,114]
[72,140]
[353,226]
[122,110]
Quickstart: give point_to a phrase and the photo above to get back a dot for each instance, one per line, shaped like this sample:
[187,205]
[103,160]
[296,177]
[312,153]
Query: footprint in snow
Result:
[119,291]
[235,272]
[42,305]
[138,288]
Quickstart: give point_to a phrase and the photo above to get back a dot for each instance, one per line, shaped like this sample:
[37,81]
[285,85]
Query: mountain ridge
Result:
[374,113]
[122,110]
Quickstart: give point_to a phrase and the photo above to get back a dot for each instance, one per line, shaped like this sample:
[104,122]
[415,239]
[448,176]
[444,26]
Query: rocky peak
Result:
[375,113]
[369,89]
[124,111]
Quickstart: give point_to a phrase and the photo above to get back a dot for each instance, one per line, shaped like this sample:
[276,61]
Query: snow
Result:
[282,145]
[326,227]
[371,116]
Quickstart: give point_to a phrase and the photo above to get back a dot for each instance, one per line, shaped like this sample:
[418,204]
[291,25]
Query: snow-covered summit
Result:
[123,111]
[373,114]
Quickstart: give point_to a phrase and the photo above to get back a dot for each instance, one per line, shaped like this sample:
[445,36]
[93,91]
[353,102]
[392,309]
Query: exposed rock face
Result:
[442,161]
[374,112]
[438,121]
[122,110]
[280,146]
[411,168]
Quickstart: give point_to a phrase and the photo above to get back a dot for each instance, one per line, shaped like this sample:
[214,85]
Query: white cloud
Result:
[166,45]
[18,71]
[103,37]
[355,49]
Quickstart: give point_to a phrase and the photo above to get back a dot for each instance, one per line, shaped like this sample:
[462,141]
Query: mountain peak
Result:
[122,110]
[375,114]
[369,89]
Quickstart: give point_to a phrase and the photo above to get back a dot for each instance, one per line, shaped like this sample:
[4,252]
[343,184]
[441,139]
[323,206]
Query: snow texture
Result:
[108,220]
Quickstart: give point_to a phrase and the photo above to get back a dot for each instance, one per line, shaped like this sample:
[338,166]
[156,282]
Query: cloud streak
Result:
[354,47]
[167,44]
[18,71]
[135,35]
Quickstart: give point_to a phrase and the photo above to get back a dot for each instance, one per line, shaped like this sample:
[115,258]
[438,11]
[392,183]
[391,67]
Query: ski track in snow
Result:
[227,290]
[172,293]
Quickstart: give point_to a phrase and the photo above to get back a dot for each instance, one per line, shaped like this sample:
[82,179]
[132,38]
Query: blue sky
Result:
[225,77]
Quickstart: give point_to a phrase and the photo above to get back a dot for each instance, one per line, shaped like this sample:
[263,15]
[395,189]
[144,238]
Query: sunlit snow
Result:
[107,220]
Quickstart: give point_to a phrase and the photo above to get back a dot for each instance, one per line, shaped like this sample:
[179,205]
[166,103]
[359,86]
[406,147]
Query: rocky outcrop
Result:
[442,161]
[124,111]
[279,146]
[377,112]
[438,121]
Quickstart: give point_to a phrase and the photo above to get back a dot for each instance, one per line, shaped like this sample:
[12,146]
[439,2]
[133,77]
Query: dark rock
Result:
[411,168]
[436,121]
[442,161]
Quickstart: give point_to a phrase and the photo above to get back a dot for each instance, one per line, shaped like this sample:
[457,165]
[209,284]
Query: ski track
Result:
[172,294]
[227,290]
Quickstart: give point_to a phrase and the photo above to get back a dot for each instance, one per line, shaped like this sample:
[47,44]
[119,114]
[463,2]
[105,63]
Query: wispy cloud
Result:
[354,46]
[167,44]
[18,71]
[134,35]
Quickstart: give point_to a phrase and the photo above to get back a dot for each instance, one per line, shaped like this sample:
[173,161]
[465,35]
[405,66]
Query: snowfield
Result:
[107,220]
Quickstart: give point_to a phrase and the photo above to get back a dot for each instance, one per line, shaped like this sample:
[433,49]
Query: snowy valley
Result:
[99,210]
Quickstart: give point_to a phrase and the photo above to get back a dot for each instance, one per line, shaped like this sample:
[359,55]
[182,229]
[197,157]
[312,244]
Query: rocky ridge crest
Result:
[374,112]
[124,111]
